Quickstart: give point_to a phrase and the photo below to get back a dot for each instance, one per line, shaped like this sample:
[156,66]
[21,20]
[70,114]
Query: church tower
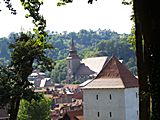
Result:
[73,62]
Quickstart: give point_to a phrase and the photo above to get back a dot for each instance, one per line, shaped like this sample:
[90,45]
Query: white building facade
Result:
[110,96]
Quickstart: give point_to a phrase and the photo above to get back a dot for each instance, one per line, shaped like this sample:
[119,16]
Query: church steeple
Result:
[73,61]
[72,50]
[72,47]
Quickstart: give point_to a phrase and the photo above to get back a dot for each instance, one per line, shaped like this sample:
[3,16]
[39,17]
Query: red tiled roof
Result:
[78,95]
[73,113]
[80,117]
[114,75]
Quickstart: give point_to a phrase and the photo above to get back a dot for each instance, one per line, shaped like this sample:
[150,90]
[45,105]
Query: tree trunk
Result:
[149,18]
[155,74]
[14,108]
[144,97]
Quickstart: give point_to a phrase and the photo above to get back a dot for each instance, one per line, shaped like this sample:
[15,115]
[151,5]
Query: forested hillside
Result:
[88,43]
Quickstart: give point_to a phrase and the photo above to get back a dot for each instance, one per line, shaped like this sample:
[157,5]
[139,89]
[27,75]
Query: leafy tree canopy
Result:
[35,110]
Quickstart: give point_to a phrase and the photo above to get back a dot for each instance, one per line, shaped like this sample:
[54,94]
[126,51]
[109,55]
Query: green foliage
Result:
[88,43]
[27,43]
[33,7]
[63,2]
[59,72]
[14,77]
[26,50]
[9,6]
[76,82]
[127,2]
[132,39]
[7,78]
[35,110]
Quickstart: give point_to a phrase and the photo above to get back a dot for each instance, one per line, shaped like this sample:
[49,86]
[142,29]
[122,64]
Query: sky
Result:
[103,14]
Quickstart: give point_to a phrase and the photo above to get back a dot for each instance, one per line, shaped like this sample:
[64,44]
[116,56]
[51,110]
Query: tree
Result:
[26,50]
[14,78]
[59,72]
[35,110]
[137,43]
[148,28]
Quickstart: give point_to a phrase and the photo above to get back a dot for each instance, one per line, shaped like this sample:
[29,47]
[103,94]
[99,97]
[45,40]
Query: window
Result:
[110,97]
[110,114]
[97,97]
[98,114]
[136,95]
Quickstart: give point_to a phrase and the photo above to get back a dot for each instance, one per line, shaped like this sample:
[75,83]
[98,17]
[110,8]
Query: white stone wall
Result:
[132,103]
[110,104]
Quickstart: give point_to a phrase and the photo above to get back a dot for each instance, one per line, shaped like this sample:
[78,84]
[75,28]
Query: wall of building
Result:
[104,104]
[74,64]
[132,103]
[63,99]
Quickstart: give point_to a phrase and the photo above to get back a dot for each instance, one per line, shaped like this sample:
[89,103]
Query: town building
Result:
[39,79]
[82,70]
[67,100]
[112,94]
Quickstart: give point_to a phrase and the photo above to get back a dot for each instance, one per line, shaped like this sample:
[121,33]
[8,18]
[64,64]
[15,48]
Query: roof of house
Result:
[85,83]
[44,82]
[96,63]
[36,72]
[80,117]
[84,70]
[78,95]
[71,86]
[113,75]
[74,113]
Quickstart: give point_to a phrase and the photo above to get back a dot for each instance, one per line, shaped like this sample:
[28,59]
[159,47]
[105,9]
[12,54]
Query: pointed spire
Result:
[72,50]
[72,46]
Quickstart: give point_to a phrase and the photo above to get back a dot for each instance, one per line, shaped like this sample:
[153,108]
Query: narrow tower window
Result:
[110,114]
[98,114]
[110,97]
[97,97]
[136,95]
